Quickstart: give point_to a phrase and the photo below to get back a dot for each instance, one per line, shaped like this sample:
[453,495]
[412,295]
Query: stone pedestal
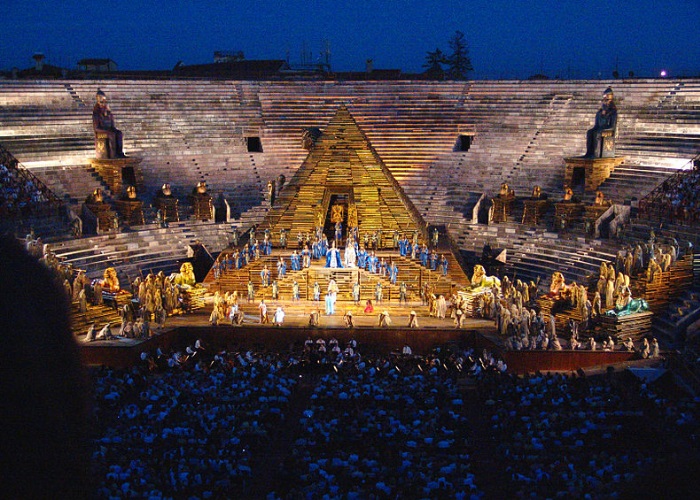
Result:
[637,326]
[131,212]
[502,208]
[168,207]
[567,213]
[104,214]
[203,207]
[593,213]
[118,172]
[593,170]
[534,210]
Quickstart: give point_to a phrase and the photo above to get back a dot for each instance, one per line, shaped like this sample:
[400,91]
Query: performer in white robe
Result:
[330,304]
[350,256]
[278,318]
[91,333]
[441,307]
[105,333]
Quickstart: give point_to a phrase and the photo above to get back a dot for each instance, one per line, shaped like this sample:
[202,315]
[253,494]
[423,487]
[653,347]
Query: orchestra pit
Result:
[366,289]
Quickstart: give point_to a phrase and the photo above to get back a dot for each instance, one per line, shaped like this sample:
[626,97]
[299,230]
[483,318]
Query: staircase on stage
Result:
[344,180]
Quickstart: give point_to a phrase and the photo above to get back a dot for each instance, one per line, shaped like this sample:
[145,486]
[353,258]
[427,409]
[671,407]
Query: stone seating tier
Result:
[148,246]
[521,129]
[490,94]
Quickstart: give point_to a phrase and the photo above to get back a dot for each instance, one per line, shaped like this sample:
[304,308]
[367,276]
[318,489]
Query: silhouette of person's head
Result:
[43,389]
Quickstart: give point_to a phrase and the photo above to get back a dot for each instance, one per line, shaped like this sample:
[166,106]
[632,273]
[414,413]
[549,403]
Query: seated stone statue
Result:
[600,140]
[108,139]
[558,285]
[110,281]
[185,278]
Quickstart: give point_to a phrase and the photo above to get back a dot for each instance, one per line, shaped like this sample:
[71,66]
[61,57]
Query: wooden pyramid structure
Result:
[343,170]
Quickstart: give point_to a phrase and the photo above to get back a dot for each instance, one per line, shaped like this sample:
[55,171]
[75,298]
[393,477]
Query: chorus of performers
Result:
[316,246]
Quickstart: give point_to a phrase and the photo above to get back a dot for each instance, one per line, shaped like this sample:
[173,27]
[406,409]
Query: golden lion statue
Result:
[558,285]
[110,282]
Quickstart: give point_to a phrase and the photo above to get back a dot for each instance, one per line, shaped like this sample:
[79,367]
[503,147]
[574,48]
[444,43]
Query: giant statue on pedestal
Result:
[593,168]
[110,162]
[108,139]
[600,140]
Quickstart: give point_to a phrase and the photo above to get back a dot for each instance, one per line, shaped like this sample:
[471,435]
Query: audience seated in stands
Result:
[20,195]
[206,423]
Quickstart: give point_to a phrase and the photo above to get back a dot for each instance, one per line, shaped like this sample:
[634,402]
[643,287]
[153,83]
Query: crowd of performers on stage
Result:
[355,255]
[143,308]
[512,305]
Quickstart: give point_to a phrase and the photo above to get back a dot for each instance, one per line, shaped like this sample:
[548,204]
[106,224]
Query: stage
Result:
[183,330]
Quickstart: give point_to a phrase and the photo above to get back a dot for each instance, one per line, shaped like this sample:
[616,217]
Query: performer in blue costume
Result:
[281,267]
[424,256]
[393,273]
[333,257]
[295,261]
[362,258]
[338,231]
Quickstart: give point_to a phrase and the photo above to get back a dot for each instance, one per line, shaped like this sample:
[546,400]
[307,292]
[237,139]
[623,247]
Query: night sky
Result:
[507,39]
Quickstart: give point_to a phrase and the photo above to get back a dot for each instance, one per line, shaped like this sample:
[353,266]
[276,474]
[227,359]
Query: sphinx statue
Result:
[600,140]
[108,139]
[558,285]
[480,282]
[185,278]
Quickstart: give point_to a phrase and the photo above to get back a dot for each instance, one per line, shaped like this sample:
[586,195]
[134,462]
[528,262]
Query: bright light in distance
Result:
[664,74]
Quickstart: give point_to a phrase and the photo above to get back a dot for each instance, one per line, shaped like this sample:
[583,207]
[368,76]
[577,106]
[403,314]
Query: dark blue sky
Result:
[508,39]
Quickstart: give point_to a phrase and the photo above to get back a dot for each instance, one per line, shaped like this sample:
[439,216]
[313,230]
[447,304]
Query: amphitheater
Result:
[448,147]
[253,411]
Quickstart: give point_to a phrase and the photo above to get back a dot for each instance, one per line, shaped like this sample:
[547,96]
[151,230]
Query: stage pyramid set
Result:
[343,180]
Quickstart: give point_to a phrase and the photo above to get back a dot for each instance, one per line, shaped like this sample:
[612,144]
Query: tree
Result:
[433,65]
[458,63]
